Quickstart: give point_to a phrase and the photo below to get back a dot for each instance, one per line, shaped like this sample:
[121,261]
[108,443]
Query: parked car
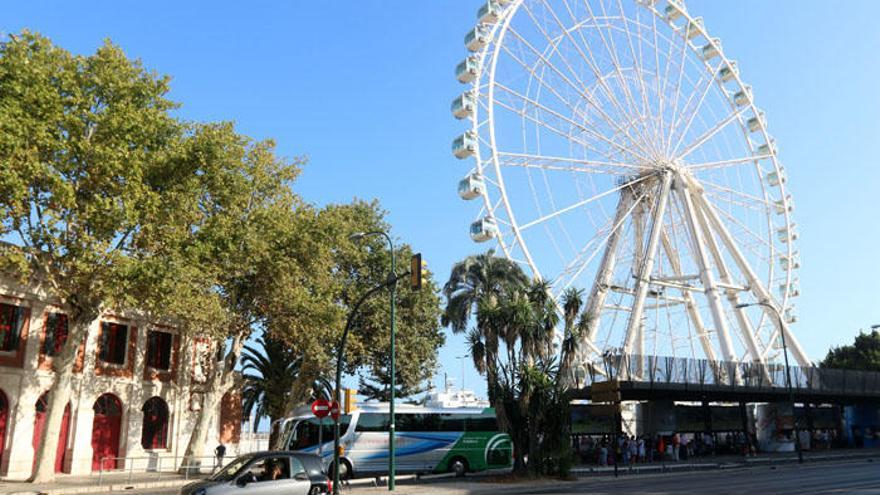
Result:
[272,472]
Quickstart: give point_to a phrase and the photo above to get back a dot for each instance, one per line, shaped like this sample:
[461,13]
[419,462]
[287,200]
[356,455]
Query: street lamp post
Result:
[392,277]
[797,440]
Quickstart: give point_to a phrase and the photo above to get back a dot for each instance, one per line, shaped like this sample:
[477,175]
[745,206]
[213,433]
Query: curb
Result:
[669,468]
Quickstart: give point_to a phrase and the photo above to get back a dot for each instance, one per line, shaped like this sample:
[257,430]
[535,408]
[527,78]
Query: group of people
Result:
[633,449]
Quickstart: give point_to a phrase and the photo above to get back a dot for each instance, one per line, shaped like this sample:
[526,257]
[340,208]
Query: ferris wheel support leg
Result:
[638,260]
[745,325]
[635,317]
[597,297]
[689,303]
[757,288]
[706,275]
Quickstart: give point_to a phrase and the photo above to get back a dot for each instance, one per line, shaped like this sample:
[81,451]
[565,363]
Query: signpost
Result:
[320,408]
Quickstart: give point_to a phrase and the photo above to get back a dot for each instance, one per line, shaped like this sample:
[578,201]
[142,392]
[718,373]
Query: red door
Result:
[40,425]
[105,432]
[4,415]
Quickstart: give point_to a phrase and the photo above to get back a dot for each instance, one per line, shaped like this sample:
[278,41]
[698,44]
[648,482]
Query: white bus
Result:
[427,440]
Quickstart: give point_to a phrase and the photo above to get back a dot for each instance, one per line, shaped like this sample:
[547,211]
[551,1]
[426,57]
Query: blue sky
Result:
[363,89]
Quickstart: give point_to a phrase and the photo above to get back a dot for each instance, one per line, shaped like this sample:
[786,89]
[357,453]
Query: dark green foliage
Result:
[863,354]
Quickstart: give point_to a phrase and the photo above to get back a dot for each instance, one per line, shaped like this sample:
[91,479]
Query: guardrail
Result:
[754,376]
[115,468]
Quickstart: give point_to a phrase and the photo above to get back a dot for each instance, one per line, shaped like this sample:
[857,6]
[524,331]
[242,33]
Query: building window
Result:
[159,350]
[114,341]
[154,434]
[11,322]
[56,334]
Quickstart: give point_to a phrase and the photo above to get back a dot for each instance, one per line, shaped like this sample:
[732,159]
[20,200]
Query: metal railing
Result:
[752,376]
[114,469]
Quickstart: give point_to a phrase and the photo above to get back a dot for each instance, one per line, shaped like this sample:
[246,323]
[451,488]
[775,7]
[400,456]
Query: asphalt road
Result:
[851,477]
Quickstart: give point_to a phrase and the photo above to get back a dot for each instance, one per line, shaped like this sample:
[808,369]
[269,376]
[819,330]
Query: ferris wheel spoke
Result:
[709,81]
[535,161]
[729,162]
[710,133]
[567,120]
[591,63]
[641,68]
[612,52]
[681,67]
[754,199]
[582,266]
[759,240]
[581,203]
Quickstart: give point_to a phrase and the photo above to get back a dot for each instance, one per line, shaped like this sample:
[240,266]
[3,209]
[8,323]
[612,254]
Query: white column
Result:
[706,275]
[644,278]
[596,301]
[755,284]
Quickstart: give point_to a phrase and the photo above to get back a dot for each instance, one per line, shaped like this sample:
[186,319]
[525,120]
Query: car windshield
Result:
[230,470]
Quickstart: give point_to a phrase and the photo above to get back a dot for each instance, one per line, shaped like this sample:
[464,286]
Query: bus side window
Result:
[481,422]
[373,422]
[451,422]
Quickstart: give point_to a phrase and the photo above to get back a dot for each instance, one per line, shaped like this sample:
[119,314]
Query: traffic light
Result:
[349,404]
[418,270]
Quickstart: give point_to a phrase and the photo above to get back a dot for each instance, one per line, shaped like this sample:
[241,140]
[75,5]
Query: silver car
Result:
[290,473]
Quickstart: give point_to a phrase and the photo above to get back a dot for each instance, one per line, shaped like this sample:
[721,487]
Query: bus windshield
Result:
[307,432]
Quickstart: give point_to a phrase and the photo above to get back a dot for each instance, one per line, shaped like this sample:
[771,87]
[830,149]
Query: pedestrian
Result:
[641,449]
[675,447]
[219,453]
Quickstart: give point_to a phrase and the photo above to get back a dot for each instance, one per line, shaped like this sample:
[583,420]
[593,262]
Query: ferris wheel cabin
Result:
[463,106]
[464,145]
[477,38]
[471,186]
[484,229]
[468,69]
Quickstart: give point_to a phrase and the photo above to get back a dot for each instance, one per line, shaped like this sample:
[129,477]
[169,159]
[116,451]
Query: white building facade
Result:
[137,390]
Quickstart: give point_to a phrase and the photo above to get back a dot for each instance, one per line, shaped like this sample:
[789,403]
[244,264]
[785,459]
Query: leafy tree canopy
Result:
[863,354]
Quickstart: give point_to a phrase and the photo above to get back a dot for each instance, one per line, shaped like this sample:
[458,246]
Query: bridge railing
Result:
[754,376]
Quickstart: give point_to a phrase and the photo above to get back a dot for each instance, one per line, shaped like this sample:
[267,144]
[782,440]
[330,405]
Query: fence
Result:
[753,376]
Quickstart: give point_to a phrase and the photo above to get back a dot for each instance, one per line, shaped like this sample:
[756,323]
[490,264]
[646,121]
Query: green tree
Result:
[87,147]
[350,269]
[863,354]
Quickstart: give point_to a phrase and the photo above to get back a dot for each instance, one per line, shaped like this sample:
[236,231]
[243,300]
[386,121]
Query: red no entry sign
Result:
[334,410]
[321,408]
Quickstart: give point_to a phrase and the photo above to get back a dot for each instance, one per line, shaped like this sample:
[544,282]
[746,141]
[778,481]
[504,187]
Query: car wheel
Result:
[459,466]
[344,470]
[316,490]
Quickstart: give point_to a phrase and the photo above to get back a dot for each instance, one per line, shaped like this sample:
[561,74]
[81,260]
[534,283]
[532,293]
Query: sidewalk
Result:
[116,482]
[726,462]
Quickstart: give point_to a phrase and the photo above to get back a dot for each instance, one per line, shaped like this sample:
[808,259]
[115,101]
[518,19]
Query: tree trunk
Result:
[193,458]
[59,396]
[218,384]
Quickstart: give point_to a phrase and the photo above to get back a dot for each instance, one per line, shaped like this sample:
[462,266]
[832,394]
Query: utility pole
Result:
[392,279]
[797,439]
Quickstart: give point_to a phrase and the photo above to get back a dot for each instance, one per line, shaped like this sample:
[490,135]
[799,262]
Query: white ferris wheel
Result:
[616,149]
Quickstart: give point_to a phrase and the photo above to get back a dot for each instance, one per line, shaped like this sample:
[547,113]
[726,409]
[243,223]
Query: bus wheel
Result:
[344,470]
[459,466]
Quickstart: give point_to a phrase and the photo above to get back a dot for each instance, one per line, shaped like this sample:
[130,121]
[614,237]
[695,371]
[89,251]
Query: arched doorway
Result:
[40,426]
[105,432]
[154,434]
[4,416]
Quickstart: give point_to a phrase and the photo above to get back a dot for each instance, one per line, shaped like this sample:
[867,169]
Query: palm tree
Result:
[572,301]
[271,370]
[474,279]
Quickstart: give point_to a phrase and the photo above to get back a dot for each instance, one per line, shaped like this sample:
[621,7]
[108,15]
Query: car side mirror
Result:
[301,477]
[242,481]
